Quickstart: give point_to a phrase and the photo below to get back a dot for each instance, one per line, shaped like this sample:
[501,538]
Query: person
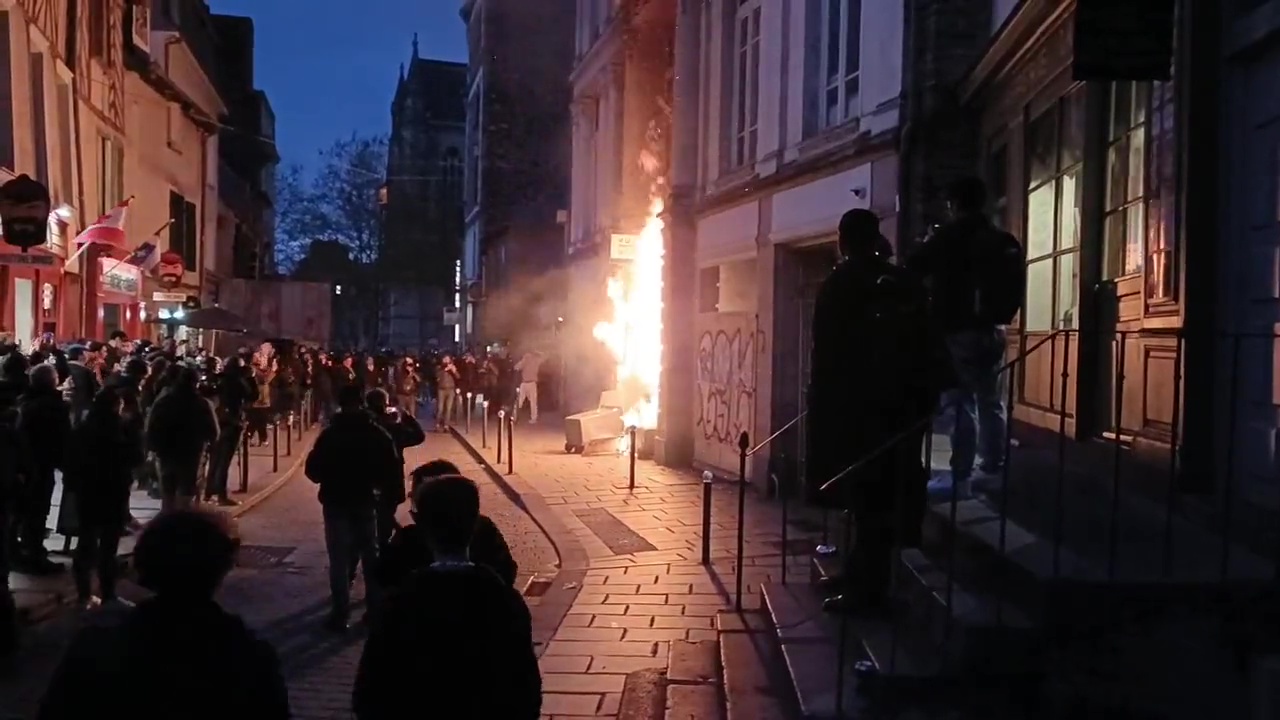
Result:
[179,427]
[18,462]
[978,277]
[180,639]
[446,392]
[408,551]
[407,384]
[528,368]
[82,381]
[101,456]
[874,382]
[452,629]
[406,433]
[235,390]
[351,458]
[44,422]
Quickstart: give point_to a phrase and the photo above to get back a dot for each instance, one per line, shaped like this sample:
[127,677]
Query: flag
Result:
[107,230]
[145,257]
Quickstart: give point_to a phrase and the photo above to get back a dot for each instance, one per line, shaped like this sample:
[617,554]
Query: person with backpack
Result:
[976,274]
[877,371]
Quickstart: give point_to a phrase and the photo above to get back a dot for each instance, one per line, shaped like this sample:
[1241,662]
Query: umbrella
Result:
[215,318]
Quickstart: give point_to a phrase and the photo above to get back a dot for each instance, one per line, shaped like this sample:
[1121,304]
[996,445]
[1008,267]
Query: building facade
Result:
[795,117]
[516,168]
[621,89]
[423,212]
[170,86]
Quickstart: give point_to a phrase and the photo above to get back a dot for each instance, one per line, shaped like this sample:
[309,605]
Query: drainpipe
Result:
[906,135]
[88,282]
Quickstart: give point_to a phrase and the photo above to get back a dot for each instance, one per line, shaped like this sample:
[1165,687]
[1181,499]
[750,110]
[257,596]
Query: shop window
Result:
[1055,149]
[1162,187]
[1126,219]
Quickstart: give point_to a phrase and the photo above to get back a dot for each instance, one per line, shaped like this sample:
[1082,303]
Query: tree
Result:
[339,201]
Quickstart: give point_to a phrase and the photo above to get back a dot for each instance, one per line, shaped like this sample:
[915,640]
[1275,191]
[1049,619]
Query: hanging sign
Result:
[24,212]
[622,247]
[170,270]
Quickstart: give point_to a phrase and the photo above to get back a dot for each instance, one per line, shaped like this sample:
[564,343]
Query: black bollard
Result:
[275,446]
[502,421]
[244,461]
[288,437]
[470,410]
[707,479]
[744,442]
[631,475]
[511,444]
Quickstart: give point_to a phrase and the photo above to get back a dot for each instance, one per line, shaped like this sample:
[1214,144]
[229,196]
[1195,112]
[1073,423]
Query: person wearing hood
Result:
[82,380]
[180,639]
[352,458]
[44,424]
[179,427]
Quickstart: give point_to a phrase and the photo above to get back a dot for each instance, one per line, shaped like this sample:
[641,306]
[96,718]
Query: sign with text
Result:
[119,277]
[451,316]
[171,297]
[622,247]
[28,259]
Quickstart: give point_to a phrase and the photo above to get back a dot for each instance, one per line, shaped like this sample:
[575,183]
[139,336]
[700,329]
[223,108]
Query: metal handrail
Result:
[760,446]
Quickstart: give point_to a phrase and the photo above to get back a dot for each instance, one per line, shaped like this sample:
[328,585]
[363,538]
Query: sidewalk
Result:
[39,596]
[639,598]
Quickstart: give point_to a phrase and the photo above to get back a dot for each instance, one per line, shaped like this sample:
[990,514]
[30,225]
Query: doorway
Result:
[112,319]
[24,311]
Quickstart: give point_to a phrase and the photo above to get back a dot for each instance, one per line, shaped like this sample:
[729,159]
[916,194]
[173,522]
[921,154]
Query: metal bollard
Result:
[244,460]
[502,421]
[744,442]
[275,446]
[288,436]
[511,444]
[707,479]
[631,475]
[484,425]
[470,408]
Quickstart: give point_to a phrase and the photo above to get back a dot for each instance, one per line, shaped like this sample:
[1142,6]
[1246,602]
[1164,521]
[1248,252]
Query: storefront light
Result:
[64,213]
[179,314]
[164,314]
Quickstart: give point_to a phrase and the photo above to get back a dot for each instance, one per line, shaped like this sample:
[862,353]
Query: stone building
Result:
[516,168]
[422,246]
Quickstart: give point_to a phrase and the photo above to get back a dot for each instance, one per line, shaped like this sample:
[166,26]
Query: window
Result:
[7,155]
[474,121]
[1126,180]
[842,44]
[110,174]
[62,89]
[98,33]
[1162,188]
[184,230]
[1054,151]
[451,174]
[173,126]
[39,133]
[746,82]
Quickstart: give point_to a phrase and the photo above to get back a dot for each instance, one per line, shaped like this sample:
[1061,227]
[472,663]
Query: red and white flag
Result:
[107,230]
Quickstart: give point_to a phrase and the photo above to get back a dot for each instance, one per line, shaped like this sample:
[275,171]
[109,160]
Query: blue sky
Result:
[330,66]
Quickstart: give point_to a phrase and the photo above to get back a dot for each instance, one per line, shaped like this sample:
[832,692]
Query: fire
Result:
[634,335]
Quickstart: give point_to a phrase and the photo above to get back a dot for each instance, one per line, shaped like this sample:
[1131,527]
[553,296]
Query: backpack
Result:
[1000,277]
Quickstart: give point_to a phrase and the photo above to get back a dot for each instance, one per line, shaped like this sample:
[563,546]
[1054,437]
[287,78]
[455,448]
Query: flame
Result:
[634,335]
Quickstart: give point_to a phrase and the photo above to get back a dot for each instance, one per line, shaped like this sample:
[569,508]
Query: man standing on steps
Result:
[529,367]
[977,276]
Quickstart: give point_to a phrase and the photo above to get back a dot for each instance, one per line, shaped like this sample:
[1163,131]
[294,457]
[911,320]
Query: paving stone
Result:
[692,702]
[693,662]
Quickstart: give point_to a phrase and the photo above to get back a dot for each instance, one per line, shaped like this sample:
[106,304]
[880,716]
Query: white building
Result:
[798,123]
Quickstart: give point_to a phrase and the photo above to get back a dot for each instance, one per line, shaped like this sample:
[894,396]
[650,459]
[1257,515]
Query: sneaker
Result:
[943,488]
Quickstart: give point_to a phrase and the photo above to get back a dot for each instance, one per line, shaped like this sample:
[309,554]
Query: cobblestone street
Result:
[285,594]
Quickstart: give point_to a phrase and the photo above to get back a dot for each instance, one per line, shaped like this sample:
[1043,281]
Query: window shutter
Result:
[191,258]
[177,227]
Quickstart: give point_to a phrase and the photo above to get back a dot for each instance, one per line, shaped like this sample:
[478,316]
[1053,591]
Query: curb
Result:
[567,583]
[36,614]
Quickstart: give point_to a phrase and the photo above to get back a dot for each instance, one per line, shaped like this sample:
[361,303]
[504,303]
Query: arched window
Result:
[451,172]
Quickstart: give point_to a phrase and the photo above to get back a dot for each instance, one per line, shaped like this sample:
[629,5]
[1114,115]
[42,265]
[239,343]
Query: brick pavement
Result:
[628,609]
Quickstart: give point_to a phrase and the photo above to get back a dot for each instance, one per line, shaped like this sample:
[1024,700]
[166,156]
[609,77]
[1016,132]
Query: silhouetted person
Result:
[873,386]
[453,632]
[180,426]
[180,642]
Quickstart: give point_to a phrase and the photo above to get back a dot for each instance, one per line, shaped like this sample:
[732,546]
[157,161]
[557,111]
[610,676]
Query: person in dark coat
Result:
[44,421]
[452,630]
[407,433]
[101,456]
[236,390]
[409,551]
[180,640]
[351,459]
[179,428]
[83,381]
[878,370]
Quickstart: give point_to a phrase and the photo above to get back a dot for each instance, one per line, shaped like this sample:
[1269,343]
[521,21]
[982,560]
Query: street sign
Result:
[28,259]
[622,247]
[451,316]
[173,297]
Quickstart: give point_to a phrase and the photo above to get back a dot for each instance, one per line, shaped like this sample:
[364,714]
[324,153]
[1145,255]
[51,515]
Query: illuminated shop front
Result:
[120,305]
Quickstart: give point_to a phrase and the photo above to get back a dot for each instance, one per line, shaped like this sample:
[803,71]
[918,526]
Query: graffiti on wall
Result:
[726,386]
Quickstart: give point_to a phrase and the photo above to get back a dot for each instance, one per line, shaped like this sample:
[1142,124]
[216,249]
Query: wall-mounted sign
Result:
[168,297]
[452,316]
[622,247]
[28,259]
[119,277]
[140,22]
[24,212]
[169,271]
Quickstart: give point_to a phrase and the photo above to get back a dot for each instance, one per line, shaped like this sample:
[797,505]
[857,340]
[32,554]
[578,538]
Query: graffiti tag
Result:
[726,385]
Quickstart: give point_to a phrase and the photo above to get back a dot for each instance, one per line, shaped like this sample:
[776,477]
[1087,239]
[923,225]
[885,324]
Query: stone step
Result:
[756,686]
[693,681]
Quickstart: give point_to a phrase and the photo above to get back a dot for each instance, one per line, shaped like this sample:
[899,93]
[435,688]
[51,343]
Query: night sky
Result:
[330,66]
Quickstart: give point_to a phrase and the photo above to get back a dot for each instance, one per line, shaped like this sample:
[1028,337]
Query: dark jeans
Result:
[178,479]
[224,452]
[37,498]
[259,418]
[8,610]
[97,548]
[350,536]
[888,503]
